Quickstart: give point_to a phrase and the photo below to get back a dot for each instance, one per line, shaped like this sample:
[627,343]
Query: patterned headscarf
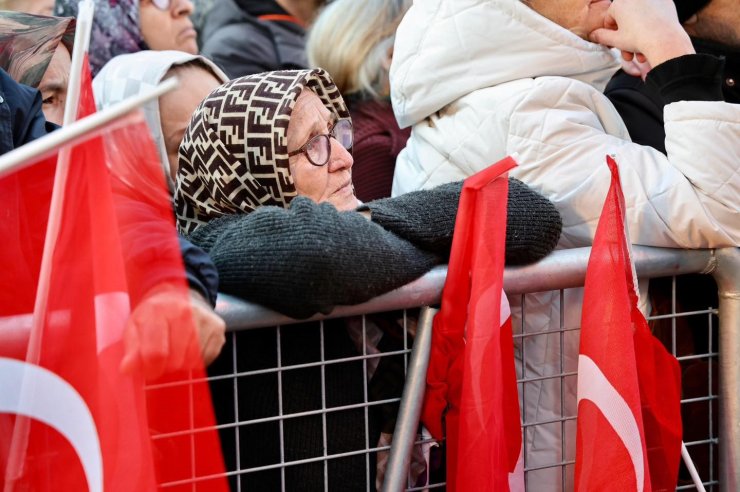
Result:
[234,155]
[28,42]
[138,73]
[115,29]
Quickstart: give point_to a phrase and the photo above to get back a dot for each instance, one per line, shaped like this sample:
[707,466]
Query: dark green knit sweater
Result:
[311,257]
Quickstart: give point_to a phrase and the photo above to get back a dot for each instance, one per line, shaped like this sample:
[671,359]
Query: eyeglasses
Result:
[162,4]
[318,149]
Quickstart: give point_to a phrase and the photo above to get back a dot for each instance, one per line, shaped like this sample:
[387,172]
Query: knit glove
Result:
[427,219]
[308,258]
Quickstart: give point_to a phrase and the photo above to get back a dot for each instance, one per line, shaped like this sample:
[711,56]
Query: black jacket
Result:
[244,38]
[700,77]
[21,119]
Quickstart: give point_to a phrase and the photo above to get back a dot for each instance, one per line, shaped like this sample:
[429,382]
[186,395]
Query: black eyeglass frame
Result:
[327,139]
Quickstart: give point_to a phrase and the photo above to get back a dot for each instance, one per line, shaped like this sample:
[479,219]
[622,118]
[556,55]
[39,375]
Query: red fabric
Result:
[628,386]
[70,365]
[471,381]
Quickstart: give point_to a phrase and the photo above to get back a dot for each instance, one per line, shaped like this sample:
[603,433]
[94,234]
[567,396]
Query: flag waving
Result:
[629,421]
[70,418]
[471,380]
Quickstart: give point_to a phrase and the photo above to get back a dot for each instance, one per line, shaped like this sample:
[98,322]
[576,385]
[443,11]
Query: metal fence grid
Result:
[299,409]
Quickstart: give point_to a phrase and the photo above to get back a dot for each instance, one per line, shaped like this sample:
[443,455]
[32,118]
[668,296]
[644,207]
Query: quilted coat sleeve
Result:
[689,198]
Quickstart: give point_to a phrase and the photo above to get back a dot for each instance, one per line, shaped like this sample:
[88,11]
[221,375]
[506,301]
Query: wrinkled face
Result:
[176,107]
[331,182]
[580,17]
[53,85]
[169,29]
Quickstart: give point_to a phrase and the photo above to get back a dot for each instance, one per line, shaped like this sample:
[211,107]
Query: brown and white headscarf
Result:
[234,154]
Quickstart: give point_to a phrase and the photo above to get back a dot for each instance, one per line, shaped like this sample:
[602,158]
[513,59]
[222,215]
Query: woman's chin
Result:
[344,203]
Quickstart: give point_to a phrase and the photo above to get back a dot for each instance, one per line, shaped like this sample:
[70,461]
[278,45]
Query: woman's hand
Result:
[647,28]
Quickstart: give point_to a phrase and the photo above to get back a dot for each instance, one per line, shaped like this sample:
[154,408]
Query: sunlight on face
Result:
[331,182]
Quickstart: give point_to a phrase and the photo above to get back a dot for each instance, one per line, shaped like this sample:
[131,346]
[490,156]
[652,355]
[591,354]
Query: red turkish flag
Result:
[629,420]
[70,419]
[471,381]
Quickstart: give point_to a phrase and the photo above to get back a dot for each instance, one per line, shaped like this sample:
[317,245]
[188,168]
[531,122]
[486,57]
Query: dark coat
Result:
[702,77]
[21,119]
[242,41]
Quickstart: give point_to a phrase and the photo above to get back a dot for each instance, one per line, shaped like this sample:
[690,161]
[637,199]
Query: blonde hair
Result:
[353,41]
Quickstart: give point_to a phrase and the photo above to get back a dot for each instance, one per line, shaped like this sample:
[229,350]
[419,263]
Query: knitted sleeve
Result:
[308,258]
[427,219]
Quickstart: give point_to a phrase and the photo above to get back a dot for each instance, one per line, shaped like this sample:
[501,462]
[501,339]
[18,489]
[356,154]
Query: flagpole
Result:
[26,155]
[85,11]
[692,469]
[83,30]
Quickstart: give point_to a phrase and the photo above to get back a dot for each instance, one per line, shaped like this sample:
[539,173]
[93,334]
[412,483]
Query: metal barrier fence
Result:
[283,423]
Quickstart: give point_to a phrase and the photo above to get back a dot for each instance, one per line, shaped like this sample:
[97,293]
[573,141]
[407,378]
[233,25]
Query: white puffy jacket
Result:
[482,79]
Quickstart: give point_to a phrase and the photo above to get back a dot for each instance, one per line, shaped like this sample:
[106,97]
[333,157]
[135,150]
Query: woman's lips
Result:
[344,188]
[188,32]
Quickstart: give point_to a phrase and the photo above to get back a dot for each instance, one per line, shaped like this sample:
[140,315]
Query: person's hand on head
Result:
[648,28]
[171,331]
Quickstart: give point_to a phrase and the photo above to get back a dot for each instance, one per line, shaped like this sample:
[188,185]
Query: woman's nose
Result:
[183,7]
[341,158]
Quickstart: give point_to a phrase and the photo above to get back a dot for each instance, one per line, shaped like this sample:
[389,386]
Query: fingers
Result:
[155,346]
[606,37]
[215,338]
[170,331]
[131,361]
[210,327]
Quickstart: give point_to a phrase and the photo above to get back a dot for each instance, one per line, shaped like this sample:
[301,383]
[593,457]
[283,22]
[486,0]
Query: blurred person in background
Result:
[353,41]
[30,46]
[137,73]
[245,37]
[36,51]
[38,7]
[201,8]
[128,26]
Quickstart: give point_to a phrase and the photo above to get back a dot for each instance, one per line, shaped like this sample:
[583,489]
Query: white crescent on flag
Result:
[595,387]
[32,391]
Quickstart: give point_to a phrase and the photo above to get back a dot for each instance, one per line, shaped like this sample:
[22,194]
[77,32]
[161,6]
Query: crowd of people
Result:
[315,151]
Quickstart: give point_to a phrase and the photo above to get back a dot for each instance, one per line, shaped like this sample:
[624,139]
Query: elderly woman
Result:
[265,186]
[261,143]
[128,26]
